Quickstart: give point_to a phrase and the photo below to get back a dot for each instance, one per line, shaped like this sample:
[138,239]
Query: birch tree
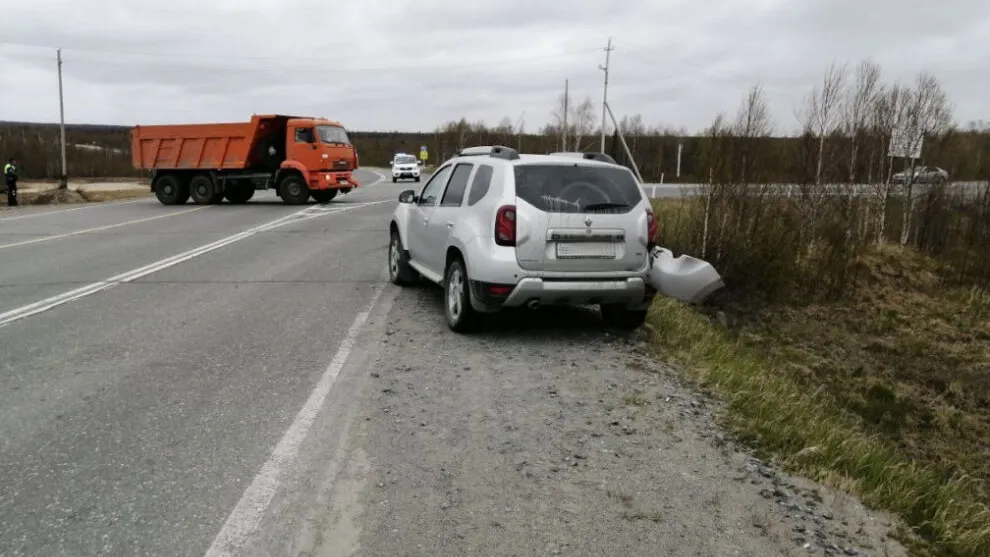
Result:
[927,113]
[860,99]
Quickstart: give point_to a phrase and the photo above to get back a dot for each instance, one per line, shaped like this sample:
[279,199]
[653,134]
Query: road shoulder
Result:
[555,440]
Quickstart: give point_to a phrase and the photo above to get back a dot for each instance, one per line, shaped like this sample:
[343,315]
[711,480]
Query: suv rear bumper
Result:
[631,292]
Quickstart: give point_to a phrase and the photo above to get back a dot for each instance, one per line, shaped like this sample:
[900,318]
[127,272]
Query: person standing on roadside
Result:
[10,173]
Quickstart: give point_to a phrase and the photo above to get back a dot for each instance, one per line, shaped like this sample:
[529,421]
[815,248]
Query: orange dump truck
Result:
[297,157]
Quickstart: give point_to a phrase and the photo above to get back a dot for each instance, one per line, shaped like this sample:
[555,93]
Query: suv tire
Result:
[619,317]
[457,309]
[400,272]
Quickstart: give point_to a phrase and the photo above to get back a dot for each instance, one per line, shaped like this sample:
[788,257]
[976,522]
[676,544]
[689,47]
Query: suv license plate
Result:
[586,250]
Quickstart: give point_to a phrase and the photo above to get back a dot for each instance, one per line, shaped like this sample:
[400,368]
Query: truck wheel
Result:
[323,196]
[619,317]
[294,191]
[203,191]
[239,194]
[170,191]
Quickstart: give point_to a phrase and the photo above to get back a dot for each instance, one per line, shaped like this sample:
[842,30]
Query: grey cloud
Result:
[406,65]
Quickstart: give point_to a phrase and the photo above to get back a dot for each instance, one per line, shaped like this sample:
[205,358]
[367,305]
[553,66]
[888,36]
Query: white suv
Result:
[404,166]
[498,229]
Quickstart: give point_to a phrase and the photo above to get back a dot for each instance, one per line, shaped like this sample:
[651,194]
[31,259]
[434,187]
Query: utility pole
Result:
[608,59]
[566,103]
[64,181]
[680,148]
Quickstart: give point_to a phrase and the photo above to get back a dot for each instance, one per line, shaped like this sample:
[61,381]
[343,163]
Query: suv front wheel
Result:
[400,272]
[617,316]
[461,317]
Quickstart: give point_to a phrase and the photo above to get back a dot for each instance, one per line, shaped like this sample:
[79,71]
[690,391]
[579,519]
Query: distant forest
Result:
[104,151]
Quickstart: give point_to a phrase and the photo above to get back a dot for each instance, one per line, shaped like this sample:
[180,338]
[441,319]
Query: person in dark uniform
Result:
[10,173]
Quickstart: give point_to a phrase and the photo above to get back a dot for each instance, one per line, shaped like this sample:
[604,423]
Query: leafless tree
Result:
[886,112]
[753,122]
[927,114]
[860,99]
[504,130]
[583,120]
[632,128]
[711,189]
[823,110]
[560,117]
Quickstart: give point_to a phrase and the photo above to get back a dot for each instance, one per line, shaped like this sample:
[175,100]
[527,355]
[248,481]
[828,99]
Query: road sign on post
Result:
[906,143]
[423,153]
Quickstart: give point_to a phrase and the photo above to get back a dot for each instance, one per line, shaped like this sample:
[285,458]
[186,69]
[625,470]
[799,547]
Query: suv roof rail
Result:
[496,151]
[592,155]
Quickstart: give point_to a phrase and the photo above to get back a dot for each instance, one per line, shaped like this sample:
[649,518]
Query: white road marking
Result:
[48,303]
[99,228]
[60,211]
[246,517]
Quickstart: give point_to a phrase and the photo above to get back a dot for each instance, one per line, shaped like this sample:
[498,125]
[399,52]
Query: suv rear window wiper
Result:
[599,206]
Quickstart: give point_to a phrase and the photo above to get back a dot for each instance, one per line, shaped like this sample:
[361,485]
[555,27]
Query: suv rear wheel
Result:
[619,317]
[461,317]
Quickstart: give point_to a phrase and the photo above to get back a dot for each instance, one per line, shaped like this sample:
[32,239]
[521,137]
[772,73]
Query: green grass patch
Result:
[809,431]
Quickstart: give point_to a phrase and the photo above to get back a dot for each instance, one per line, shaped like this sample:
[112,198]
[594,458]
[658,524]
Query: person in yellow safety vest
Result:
[10,173]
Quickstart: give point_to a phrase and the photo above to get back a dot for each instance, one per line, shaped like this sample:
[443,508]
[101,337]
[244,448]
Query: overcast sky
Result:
[412,65]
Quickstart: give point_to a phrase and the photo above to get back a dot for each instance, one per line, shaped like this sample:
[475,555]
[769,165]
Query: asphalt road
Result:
[242,380]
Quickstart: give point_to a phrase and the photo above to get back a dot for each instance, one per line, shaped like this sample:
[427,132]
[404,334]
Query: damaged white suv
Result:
[498,229]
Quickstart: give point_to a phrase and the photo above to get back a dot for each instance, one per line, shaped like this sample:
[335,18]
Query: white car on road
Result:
[498,229]
[404,166]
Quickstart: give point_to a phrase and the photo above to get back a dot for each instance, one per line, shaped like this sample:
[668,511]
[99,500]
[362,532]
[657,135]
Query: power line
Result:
[513,62]
[280,59]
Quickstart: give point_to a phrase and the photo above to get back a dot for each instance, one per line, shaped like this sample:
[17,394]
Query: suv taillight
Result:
[505,225]
[651,229]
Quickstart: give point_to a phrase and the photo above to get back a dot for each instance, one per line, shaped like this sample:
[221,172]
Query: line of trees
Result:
[807,240]
[850,111]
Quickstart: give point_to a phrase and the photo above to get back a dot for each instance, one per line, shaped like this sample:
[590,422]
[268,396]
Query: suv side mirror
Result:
[391,162]
[408,196]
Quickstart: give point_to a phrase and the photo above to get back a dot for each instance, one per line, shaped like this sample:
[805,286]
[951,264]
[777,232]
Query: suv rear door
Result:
[579,217]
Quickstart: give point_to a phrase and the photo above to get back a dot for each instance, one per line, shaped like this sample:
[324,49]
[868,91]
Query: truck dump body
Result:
[222,146]
[195,146]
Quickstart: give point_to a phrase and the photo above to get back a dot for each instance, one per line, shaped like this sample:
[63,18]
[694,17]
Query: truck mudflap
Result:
[684,277]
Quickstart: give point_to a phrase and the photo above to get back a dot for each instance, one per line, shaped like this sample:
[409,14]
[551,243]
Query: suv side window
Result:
[480,184]
[432,188]
[454,194]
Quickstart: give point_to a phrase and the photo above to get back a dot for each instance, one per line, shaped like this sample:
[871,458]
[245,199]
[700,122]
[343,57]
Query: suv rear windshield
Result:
[572,188]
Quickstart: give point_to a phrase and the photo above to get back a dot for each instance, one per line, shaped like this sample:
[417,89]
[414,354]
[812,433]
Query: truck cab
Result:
[322,151]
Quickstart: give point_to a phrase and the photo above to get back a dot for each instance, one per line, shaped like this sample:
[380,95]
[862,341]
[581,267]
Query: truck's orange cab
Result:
[321,150]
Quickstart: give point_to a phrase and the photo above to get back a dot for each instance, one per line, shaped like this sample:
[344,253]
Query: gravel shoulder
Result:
[550,436]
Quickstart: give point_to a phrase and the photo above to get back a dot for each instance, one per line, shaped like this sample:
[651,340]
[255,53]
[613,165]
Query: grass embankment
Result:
[865,367]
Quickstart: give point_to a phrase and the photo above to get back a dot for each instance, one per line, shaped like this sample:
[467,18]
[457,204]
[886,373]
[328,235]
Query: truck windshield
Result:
[333,134]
